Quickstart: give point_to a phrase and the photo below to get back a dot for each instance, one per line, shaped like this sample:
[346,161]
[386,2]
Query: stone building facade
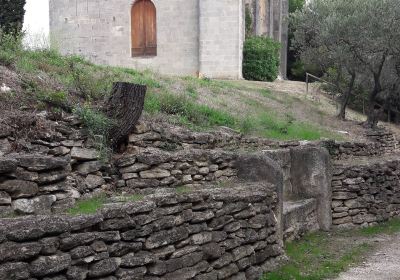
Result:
[189,37]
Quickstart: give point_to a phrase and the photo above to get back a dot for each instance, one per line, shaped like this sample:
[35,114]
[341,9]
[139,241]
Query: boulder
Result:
[104,267]
[19,188]
[84,154]
[135,168]
[40,162]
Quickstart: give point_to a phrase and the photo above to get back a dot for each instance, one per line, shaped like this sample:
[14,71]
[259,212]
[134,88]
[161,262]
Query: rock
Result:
[72,143]
[50,245]
[132,273]
[59,151]
[187,179]
[52,176]
[142,183]
[38,205]
[134,168]
[155,173]
[125,161]
[89,167]
[5,199]
[40,162]
[104,267]
[166,237]
[25,175]
[212,251]
[48,265]
[201,238]
[11,251]
[14,271]
[5,147]
[137,259]
[93,181]
[19,188]
[84,154]
[77,273]
[7,165]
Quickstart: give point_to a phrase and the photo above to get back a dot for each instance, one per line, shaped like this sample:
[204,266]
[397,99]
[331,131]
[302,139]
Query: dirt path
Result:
[384,264]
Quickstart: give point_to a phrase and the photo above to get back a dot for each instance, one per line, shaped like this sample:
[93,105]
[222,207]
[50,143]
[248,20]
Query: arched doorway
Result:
[144,28]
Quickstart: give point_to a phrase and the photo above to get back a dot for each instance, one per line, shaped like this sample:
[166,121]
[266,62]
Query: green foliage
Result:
[88,206]
[261,59]
[10,48]
[295,5]
[12,15]
[98,126]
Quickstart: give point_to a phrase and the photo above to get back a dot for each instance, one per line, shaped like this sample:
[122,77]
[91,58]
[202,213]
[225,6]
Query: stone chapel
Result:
[173,37]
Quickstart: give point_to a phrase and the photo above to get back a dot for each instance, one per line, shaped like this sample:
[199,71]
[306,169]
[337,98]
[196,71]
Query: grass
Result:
[61,82]
[88,206]
[324,255]
[93,205]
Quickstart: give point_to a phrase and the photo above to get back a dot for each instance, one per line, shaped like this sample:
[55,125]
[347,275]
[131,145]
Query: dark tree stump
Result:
[124,108]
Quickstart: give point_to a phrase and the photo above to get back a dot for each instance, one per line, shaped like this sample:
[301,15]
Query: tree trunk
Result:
[124,108]
[345,98]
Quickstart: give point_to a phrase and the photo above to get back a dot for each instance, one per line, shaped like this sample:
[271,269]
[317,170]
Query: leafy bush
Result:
[261,59]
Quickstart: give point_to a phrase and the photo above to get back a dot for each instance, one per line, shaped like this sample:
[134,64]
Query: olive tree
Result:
[356,38]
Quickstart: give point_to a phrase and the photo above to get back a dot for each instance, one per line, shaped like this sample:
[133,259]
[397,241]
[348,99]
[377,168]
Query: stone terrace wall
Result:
[152,168]
[213,234]
[365,194]
[52,170]
[167,137]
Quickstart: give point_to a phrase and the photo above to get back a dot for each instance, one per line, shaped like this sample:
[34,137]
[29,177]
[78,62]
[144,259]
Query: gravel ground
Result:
[384,264]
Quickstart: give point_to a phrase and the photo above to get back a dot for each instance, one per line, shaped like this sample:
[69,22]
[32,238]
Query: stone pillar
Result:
[284,37]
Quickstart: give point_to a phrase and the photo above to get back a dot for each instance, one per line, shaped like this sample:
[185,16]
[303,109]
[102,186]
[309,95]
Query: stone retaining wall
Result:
[151,169]
[47,174]
[214,234]
[366,194]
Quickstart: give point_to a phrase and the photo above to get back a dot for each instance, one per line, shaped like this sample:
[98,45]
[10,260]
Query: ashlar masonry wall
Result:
[193,37]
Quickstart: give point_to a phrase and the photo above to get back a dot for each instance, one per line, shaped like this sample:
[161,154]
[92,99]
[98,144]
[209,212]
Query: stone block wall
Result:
[152,169]
[365,194]
[213,234]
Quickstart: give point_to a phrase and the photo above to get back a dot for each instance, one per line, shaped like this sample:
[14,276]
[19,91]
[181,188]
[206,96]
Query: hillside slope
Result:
[41,80]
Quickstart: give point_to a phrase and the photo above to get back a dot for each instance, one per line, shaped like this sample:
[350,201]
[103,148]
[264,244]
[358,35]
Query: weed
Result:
[88,206]
[182,190]
[98,126]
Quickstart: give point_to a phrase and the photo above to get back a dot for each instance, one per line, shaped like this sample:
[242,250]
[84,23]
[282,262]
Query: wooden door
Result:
[144,31]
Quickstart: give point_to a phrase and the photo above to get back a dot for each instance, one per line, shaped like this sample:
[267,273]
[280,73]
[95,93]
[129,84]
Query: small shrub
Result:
[260,59]
[10,48]
[98,126]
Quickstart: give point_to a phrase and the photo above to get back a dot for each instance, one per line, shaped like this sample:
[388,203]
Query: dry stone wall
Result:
[154,169]
[365,194]
[51,171]
[210,234]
